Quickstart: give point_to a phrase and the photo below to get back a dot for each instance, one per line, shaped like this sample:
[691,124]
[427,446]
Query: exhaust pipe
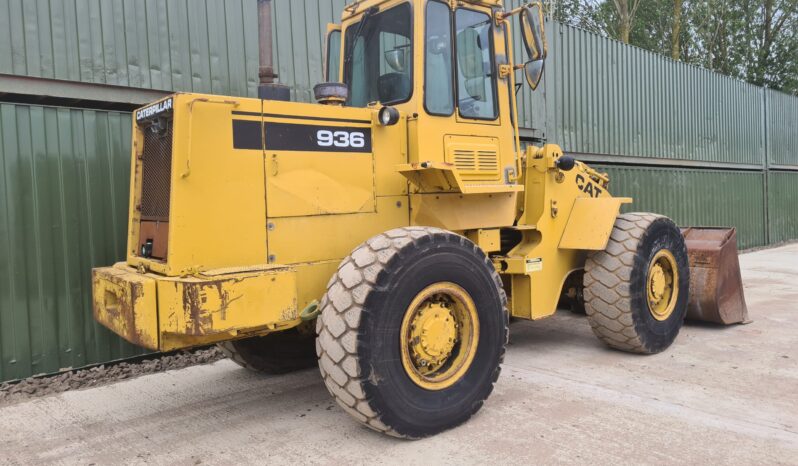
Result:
[268,89]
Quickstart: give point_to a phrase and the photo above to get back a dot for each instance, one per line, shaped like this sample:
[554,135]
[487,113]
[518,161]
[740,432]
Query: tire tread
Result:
[356,276]
[608,302]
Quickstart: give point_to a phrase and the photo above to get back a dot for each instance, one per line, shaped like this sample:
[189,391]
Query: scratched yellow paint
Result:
[210,308]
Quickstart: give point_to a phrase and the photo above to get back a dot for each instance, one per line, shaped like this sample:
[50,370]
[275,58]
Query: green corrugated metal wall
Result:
[181,45]
[782,128]
[783,205]
[696,197]
[65,171]
[64,177]
[299,34]
[606,97]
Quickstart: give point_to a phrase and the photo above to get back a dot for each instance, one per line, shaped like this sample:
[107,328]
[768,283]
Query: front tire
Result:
[636,290]
[412,331]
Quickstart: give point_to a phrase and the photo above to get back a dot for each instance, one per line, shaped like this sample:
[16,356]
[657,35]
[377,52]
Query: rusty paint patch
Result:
[195,299]
[114,306]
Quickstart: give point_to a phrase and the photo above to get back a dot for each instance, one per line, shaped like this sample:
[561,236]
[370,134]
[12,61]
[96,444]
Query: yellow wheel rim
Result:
[439,336]
[662,285]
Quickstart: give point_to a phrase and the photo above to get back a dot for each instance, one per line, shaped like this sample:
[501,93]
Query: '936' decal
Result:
[315,138]
[327,138]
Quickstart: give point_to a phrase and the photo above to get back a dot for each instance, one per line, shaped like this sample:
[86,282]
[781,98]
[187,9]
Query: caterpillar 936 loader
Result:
[397,223]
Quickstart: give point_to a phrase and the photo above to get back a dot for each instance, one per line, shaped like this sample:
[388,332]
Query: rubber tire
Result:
[277,353]
[359,326]
[615,284]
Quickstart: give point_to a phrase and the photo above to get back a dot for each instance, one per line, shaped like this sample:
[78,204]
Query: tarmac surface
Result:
[717,396]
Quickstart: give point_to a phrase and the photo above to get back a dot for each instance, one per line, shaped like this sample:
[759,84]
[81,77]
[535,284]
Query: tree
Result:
[626,11]
[576,13]
[753,40]
[676,30]
[775,43]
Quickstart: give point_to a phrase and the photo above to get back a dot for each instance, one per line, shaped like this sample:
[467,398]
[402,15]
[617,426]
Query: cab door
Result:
[466,103]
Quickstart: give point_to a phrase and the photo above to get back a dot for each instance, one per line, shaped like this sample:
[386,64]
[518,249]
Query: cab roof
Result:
[357,6]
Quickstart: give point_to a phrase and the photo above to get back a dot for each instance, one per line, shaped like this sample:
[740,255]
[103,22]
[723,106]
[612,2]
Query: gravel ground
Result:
[34,387]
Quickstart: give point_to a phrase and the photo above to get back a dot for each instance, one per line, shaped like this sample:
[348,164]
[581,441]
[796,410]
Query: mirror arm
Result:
[505,69]
[502,15]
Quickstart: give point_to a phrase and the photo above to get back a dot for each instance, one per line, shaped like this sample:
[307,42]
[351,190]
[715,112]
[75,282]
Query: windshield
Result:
[379,61]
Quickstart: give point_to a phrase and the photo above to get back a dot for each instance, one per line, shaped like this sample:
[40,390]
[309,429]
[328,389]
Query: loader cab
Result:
[442,68]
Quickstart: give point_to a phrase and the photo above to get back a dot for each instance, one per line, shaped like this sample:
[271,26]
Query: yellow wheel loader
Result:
[397,223]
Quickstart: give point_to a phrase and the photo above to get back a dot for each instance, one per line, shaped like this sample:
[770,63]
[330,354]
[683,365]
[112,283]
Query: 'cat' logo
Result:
[587,186]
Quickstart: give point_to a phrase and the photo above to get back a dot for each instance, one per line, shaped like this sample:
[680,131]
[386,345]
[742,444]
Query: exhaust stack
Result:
[268,89]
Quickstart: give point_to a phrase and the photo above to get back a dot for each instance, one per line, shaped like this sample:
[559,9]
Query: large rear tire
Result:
[412,331]
[275,353]
[636,290]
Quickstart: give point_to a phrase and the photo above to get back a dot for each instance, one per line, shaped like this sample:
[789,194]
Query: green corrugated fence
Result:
[697,197]
[783,205]
[180,45]
[782,128]
[605,97]
[64,177]
[299,35]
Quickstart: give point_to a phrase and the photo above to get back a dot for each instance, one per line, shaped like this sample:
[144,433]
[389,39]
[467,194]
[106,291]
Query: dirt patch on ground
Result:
[34,387]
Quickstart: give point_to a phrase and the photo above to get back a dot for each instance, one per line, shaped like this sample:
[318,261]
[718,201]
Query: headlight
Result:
[388,116]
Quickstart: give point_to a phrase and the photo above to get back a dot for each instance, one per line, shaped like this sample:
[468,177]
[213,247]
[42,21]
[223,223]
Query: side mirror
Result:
[534,36]
[533,32]
[533,71]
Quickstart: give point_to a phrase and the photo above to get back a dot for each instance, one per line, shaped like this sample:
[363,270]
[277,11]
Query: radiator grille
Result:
[156,173]
[476,164]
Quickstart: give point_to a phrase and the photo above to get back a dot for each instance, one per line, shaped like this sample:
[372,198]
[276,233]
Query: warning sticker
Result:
[534,265]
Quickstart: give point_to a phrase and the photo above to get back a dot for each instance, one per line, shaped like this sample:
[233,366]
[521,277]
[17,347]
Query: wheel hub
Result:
[657,283]
[662,285]
[433,334]
[439,336]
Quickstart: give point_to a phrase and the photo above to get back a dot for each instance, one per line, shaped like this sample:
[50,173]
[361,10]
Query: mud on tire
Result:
[358,330]
[615,281]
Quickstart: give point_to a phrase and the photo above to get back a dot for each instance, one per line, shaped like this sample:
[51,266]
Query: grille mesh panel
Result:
[156,174]
[476,164]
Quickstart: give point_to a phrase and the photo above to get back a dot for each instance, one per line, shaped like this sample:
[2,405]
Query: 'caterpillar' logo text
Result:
[588,187]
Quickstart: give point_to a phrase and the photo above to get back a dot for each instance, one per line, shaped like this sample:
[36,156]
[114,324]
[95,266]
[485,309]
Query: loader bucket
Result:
[716,286]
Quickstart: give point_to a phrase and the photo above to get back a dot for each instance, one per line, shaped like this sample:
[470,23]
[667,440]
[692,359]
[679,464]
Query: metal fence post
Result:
[766,162]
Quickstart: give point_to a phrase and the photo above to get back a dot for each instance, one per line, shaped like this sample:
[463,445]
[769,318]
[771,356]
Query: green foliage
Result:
[752,40]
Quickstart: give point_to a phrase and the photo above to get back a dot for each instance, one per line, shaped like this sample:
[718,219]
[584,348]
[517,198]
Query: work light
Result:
[388,116]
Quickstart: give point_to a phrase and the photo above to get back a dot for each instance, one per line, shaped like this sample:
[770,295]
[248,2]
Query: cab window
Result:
[476,88]
[438,91]
[378,60]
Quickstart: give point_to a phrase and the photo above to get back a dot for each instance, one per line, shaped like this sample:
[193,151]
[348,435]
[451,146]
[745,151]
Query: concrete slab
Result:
[719,395]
